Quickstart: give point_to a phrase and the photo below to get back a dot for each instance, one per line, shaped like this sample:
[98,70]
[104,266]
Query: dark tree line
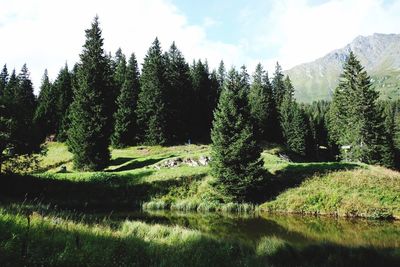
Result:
[108,100]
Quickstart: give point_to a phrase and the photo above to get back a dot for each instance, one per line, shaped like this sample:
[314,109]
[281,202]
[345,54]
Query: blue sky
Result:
[48,33]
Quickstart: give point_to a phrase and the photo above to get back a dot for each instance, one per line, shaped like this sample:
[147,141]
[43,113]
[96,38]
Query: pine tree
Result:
[293,122]
[236,162]
[278,85]
[46,111]
[179,88]
[355,120]
[203,102]
[88,135]
[262,107]
[151,109]
[125,118]
[63,88]
[221,75]
[3,80]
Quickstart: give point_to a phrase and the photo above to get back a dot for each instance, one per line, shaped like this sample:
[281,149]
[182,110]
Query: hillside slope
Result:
[378,53]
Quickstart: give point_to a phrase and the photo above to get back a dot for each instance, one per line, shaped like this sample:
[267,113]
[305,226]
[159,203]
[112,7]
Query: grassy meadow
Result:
[137,177]
[45,215]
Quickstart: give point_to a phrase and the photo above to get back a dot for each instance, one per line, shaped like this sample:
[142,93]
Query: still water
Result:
[298,230]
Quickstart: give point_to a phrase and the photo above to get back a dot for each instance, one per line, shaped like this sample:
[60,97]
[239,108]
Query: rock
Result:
[204,161]
[63,169]
[284,157]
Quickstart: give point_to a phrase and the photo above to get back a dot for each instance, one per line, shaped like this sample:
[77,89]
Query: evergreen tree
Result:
[236,162]
[278,85]
[262,107]
[151,109]
[179,88]
[119,72]
[63,88]
[203,102]
[125,118]
[355,120]
[46,111]
[293,122]
[221,75]
[88,135]
[3,80]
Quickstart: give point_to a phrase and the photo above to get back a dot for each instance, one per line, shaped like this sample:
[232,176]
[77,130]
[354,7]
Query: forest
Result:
[108,135]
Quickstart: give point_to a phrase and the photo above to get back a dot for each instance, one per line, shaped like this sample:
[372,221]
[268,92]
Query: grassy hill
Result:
[142,176]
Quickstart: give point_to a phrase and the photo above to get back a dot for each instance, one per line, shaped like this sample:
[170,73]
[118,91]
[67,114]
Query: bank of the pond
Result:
[371,192]
[35,239]
[143,176]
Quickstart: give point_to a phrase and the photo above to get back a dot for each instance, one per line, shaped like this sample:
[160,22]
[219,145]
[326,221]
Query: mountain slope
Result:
[378,53]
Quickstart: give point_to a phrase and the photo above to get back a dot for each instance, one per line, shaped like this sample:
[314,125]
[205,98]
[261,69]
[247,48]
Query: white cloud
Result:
[305,32]
[46,33]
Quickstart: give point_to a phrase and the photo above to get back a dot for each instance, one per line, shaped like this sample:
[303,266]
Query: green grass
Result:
[132,180]
[33,239]
[371,192]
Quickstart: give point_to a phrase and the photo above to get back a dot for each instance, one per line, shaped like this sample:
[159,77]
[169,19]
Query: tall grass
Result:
[372,192]
[33,239]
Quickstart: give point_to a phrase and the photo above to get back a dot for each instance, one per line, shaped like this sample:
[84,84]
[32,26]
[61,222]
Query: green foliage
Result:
[203,102]
[263,108]
[125,117]
[278,85]
[355,120]
[63,88]
[88,135]
[293,122]
[178,95]
[235,153]
[151,109]
[46,114]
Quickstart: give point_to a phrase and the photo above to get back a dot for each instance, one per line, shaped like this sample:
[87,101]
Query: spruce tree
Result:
[63,88]
[125,128]
[355,121]
[88,135]
[151,109]
[262,107]
[293,122]
[236,162]
[46,111]
[3,80]
[203,102]
[178,93]
[278,85]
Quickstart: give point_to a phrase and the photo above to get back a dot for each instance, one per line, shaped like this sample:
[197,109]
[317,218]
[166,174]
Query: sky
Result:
[48,33]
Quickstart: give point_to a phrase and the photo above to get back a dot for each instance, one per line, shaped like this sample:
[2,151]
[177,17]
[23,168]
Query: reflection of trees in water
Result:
[348,232]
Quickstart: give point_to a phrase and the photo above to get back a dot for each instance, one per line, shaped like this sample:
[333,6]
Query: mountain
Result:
[378,53]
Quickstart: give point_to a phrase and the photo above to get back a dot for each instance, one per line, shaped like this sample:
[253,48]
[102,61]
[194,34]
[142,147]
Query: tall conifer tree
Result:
[179,88]
[151,108]
[355,120]
[89,133]
[278,85]
[236,163]
[293,121]
[63,88]
[125,118]
[262,107]
[46,111]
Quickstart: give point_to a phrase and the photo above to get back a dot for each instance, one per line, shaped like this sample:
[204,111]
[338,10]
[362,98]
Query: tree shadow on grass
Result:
[294,174]
[103,191]
[135,164]
[119,161]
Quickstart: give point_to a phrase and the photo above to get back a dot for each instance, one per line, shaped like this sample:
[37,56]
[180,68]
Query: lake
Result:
[296,229]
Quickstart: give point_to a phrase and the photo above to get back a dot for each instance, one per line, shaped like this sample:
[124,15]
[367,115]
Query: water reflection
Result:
[298,230]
